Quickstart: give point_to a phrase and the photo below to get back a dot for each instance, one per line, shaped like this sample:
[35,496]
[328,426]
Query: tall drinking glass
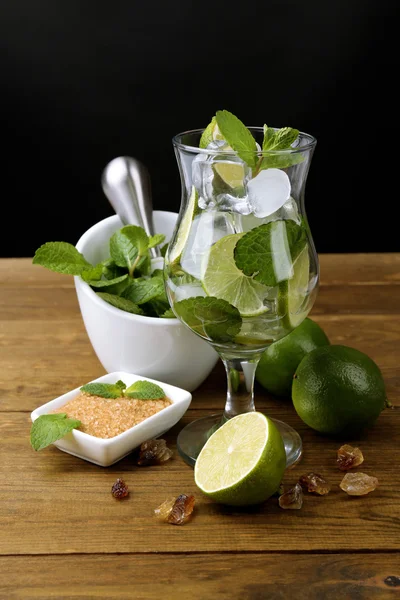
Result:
[241,269]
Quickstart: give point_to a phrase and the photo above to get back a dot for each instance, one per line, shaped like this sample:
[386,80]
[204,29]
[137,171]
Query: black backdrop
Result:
[84,81]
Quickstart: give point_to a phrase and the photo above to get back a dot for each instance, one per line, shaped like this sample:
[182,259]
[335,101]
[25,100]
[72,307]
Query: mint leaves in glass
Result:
[241,269]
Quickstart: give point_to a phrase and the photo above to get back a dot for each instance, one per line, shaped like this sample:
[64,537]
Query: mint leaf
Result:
[278,141]
[156,307]
[267,252]
[144,290]
[105,390]
[269,136]
[238,136]
[164,249]
[106,283]
[111,270]
[128,245]
[145,390]
[157,273]
[93,274]
[282,139]
[212,318]
[46,429]
[169,314]
[155,240]
[121,303]
[143,266]
[61,257]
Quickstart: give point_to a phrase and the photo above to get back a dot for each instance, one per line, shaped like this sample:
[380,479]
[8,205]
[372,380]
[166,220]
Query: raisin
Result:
[358,484]
[293,498]
[176,510]
[349,457]
[154,452]
[313,482]
[119,490]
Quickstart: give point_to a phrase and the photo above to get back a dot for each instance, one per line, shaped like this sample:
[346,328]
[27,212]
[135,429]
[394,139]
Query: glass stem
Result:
[240,395]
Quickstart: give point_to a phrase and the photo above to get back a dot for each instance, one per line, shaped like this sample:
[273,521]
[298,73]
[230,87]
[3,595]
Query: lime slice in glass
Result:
[184,227]
[210,134]
[293,292]
[231,174]
[243,462]
[222,279]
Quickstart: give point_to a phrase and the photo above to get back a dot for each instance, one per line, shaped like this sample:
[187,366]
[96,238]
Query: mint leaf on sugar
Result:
[121,303]
[47,429]
[144,290]
[267,252]
[105,390]
[212,318]
[61,257]
[128,246]
[238,136]
[145,390]
[278,141]
[155,240]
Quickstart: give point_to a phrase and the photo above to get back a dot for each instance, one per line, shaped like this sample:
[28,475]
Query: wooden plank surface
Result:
[53,487]
[201,577]
[57,513]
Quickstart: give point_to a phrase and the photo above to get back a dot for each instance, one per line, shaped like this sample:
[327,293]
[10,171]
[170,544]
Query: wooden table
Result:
[64,536]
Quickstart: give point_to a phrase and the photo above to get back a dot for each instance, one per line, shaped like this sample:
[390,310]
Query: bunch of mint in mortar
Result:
[125,279]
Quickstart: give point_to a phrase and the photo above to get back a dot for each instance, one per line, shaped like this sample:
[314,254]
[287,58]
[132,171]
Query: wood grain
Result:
[200,577]
[54,488]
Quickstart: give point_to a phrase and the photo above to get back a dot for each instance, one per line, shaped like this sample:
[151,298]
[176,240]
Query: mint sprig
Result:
[142,390]
[238,136]
[156,240]
[47,429]
[105,390]
[267,252]
[212,318]
[276,142]
[144,290]
[122,280]
[128,246]
[61,257]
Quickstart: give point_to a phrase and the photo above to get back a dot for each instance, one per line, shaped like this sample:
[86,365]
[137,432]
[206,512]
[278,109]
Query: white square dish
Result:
[105,452]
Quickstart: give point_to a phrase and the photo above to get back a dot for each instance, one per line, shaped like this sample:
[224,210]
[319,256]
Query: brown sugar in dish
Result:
[105,418]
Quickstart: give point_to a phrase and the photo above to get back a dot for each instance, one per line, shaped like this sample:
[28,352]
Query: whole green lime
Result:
[338,390]
[279,362]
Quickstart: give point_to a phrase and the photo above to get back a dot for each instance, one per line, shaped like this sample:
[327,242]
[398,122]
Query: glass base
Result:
[192,438]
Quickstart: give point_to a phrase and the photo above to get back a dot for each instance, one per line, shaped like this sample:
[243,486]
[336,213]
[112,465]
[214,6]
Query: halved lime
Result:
[210,134]
[223,279]
[293,292]
[184,228]
[243,462]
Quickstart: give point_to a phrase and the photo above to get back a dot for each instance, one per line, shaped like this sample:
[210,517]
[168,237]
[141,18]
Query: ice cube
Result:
[268,191]
[207,228]
[221,179]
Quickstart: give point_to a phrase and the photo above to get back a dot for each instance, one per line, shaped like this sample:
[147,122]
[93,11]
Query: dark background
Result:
[85,81]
